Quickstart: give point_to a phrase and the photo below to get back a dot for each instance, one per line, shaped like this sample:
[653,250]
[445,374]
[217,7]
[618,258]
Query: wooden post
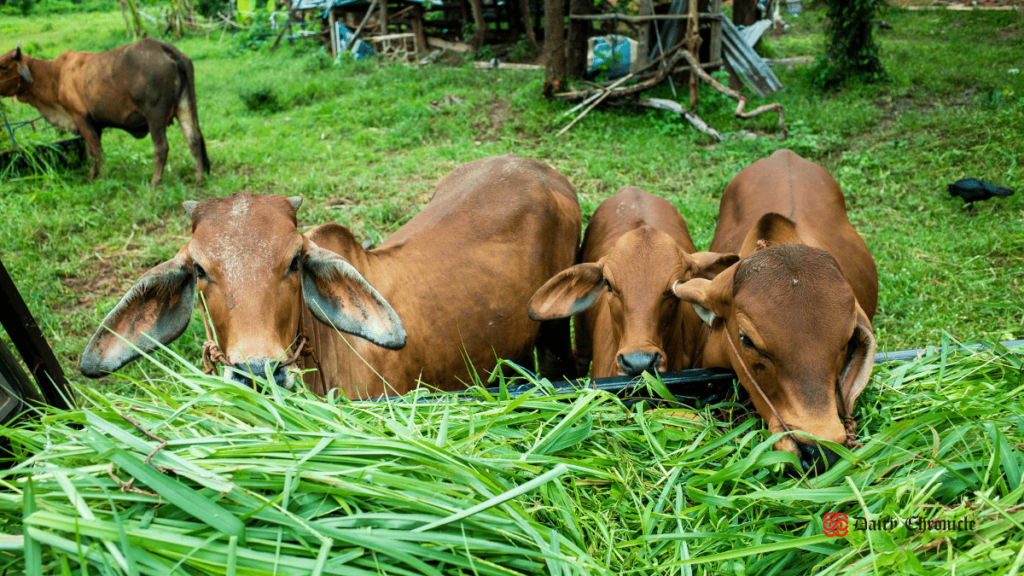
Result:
[29,340]
[716,33]
[646,9]
[693,41]
[417,28]
[576,49]
[334,32]
[383,17]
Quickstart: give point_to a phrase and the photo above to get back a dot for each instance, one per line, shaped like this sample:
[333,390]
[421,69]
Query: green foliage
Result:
[522,50]
[210,8]
[256,35]
[850,48]
[484,54]
[263,99]
[24,7]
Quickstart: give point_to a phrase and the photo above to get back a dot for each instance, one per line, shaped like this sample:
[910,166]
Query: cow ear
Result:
[860,359]
[338,295]
[26,74]
[156,309]
[710,298]
[710,264]
[567,293]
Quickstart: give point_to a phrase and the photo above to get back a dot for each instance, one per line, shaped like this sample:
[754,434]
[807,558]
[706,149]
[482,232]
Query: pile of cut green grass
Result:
[287,483]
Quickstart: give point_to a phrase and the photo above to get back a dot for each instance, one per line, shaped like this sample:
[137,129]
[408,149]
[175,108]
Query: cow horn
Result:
[189,206]
[17,51]
[295,201]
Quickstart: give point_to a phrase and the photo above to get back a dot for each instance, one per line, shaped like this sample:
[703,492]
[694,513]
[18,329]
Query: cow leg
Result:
[159,131]
[554,350]
[92,145]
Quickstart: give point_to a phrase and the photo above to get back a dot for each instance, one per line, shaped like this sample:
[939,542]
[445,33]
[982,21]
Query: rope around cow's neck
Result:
[849,424]
[213,355]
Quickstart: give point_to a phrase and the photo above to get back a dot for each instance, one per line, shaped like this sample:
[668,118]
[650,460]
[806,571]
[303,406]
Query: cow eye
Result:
[294,267]
[200,273]
[747,342]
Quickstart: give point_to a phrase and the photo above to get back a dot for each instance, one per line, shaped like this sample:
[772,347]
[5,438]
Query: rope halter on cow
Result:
[849,424]
[213,355]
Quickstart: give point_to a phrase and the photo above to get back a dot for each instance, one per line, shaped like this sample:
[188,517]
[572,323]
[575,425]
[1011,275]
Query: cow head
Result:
[797,328]
[254,270]
[638,273]
[14,72]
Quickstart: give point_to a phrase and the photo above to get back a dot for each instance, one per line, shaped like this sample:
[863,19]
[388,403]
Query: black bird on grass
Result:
[972,190]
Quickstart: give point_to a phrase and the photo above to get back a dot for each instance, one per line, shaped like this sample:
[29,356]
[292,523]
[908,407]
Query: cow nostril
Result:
[815,458]
[253,372]
[639,362]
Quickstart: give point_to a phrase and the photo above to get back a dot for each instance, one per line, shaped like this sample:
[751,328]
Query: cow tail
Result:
[186,69]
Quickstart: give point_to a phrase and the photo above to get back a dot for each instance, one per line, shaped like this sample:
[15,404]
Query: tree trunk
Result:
[576,59]
[554,40]
[481,26]
[524,10]
[744,12]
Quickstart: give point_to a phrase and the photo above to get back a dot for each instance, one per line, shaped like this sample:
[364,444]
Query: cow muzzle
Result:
[637,363]
[814,458]
[248,371]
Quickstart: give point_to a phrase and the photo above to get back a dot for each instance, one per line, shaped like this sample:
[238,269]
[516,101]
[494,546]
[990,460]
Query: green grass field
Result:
[590,482]
[364,133]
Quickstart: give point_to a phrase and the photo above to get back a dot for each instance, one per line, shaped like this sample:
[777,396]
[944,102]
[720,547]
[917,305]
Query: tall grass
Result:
[288,483]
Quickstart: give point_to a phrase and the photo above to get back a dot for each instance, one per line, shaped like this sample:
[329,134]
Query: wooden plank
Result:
[29,340]
[639,19]
[446,45]
[716,33]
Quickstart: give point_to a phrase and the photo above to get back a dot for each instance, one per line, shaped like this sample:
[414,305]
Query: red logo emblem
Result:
[835,524]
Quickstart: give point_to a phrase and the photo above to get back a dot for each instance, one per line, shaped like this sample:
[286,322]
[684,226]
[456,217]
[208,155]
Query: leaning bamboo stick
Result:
[598,95]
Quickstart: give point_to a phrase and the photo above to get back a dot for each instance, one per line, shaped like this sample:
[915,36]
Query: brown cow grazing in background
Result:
[793,316]
[139,88]
[449,287]
[636,248]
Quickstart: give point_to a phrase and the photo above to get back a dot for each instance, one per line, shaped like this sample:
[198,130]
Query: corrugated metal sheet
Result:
[751,34]
[746,62]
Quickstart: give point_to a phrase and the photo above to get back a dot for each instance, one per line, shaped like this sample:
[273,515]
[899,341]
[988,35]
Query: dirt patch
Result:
[1011,33]
[496,116]
[98,279]
[895,106]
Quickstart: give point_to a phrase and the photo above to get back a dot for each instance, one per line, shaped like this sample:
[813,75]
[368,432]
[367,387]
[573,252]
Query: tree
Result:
[554,40]
[850,48]
[744,12]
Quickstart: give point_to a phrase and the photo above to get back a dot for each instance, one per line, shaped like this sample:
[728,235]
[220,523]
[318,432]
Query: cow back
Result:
[806,194]
[459,275]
